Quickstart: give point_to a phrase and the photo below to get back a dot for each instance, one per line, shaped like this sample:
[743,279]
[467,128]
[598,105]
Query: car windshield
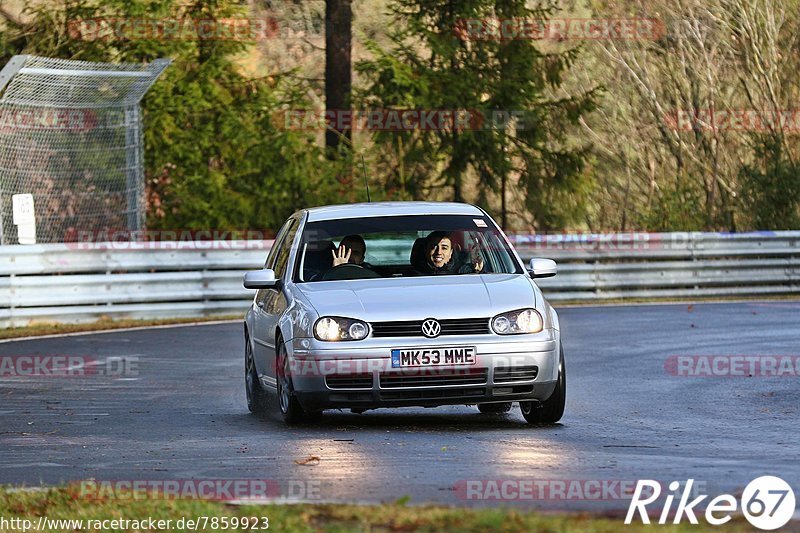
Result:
[402,246]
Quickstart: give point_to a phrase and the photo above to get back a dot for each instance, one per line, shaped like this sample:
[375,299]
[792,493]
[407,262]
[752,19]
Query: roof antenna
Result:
[366,183]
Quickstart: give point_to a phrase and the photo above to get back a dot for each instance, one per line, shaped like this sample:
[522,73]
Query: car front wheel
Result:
[551,410]
[291,410]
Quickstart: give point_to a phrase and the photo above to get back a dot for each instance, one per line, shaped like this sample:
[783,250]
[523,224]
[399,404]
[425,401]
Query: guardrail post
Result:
[12,277]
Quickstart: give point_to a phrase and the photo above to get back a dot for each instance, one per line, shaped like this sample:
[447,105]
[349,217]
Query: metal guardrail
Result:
[72,283]
[668,265]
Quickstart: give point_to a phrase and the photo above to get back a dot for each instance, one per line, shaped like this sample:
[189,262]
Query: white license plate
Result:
[445,355]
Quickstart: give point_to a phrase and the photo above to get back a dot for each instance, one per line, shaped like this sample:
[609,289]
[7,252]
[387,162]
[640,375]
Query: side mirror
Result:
[260,279]
[542,268]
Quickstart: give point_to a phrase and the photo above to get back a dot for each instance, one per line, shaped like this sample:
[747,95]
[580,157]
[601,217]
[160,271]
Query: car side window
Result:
[284,251]
[276,245]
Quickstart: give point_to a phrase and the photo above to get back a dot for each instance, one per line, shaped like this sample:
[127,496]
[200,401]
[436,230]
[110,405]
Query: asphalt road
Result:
[180,414]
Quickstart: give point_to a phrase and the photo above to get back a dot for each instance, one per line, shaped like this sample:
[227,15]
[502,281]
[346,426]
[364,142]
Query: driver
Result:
[351,250]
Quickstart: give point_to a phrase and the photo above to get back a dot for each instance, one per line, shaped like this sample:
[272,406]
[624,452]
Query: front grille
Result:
[515,373]
[413,328]
[424,378]
[349,382]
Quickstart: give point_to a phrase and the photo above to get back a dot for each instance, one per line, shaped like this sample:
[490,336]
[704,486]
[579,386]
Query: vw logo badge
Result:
[431,328]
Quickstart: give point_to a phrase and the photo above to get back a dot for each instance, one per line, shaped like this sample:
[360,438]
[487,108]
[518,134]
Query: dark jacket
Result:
[448,268]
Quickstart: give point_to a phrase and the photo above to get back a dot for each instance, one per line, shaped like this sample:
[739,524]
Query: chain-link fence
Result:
[71,135]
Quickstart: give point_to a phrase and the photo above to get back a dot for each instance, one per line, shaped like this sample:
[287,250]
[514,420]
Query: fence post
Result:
[134,173]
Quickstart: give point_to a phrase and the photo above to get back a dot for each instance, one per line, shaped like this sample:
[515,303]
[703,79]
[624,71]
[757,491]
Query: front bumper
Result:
[518,368]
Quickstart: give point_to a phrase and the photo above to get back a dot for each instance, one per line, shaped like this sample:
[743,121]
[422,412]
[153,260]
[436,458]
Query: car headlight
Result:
[340,329]
[516,322]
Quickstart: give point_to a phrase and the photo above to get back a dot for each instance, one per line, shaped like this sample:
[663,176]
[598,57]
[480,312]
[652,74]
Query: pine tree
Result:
[437,62]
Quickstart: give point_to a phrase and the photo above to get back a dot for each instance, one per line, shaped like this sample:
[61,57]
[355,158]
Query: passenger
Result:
[439,258]
[351,250]
[475,263]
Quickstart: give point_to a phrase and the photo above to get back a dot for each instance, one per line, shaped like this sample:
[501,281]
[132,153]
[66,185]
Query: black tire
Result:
[256,395]
[494,408]
[291,410]
[551,410]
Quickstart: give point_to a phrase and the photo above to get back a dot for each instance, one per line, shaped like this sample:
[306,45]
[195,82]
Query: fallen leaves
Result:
[311,460]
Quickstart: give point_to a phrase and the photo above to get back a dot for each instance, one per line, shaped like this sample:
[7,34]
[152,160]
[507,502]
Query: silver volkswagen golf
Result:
[398,304]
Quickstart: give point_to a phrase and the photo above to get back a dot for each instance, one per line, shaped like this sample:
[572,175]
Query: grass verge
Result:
[103,325]
[66,503]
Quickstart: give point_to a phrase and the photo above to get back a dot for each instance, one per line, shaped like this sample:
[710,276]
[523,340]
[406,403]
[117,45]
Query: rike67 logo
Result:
[768,503]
